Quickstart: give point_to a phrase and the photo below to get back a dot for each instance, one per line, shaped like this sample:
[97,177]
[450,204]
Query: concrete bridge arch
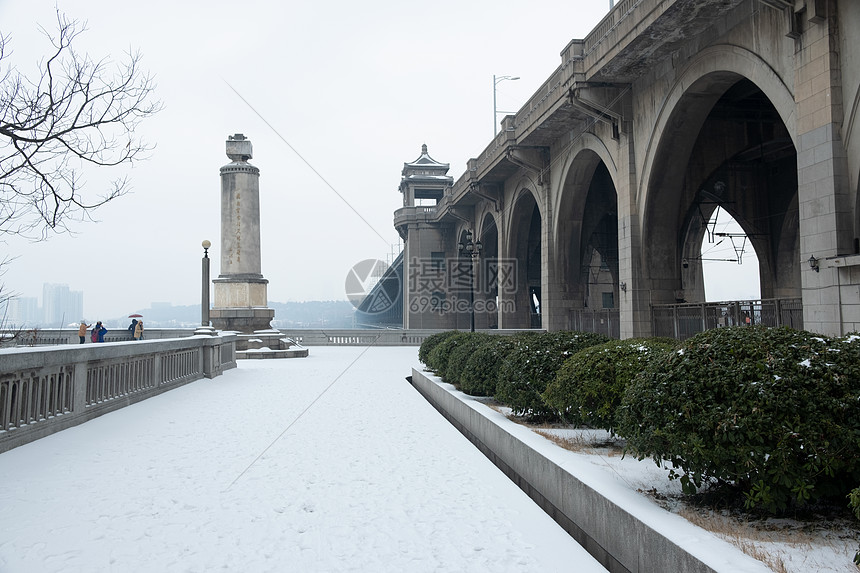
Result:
[584,261]
[704,153]
[675,108]
[524,248]
[488,272]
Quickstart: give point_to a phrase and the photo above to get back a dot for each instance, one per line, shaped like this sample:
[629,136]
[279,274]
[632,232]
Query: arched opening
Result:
[490,274]
[599,244]
[729,263]
[728,153]
[856,246]
[525,246]
[588,240]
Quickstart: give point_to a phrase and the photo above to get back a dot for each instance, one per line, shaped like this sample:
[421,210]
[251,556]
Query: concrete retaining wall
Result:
[44,390]
[622,540]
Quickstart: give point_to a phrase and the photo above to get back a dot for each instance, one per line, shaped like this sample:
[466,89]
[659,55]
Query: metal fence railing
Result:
[682,321]
[603,321]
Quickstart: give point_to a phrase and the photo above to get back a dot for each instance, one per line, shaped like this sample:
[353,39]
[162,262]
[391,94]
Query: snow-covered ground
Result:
[327,463]
[785,545]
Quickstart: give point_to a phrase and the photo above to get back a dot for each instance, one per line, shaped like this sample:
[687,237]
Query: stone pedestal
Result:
[268,344]
[244,320]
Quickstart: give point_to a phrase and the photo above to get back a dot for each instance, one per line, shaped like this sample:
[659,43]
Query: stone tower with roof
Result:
[425,183]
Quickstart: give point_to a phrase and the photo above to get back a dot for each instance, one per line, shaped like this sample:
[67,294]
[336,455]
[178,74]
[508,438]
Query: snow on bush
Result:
[772,412]
[460,354]
[530,366]
[430,343]
[479,376]
[438,359]
[590,384]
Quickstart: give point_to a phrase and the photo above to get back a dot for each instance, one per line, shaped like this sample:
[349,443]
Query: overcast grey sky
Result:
[355,87]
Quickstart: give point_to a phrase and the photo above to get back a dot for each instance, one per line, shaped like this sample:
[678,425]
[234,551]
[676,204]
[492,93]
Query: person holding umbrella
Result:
[133,326]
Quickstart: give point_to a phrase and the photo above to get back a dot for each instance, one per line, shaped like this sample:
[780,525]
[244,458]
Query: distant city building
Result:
[23,311]
[61,306]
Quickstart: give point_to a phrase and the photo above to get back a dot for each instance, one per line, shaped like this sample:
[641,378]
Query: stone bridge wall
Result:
[669,108]
[47,389]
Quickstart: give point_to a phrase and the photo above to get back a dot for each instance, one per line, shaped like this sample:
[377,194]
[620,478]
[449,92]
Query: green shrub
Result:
[478,377]
[460,354]
[854,503]
[590,384]
[771,412]
[531,365]
[430,343]
[437,361]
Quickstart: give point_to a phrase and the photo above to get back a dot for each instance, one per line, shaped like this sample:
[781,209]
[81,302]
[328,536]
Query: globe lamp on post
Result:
[473,250]
[204,303]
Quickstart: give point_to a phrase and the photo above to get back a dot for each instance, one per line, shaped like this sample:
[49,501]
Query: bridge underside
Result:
[597,198]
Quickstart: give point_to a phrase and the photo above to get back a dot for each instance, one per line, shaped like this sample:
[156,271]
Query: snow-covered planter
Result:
[772,412]
[530,366]
[590,384]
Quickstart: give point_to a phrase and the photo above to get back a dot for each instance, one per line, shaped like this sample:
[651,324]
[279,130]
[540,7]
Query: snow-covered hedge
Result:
[772,412]
[430,343]
[530,366]
[479,376]
[459,356]
[437,361]
[590,384]
[854,502]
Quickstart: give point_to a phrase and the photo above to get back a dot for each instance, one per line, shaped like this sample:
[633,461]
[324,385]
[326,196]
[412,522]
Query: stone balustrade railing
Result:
[47,336]
[366,337]
[303,336]
[45,389]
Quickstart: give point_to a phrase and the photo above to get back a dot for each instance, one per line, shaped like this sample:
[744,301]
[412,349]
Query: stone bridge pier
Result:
[595,198]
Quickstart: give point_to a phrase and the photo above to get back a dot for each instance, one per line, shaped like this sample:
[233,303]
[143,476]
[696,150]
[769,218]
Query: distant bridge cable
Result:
[299,155]
[303,412]
[590,122]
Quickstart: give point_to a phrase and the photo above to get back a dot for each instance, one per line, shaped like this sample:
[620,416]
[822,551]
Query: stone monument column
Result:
[240,289]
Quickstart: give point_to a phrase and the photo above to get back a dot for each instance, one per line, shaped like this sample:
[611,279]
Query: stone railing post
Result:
[79,387]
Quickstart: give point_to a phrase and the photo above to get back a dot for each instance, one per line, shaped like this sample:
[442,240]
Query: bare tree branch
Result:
[9,333]
[79,112]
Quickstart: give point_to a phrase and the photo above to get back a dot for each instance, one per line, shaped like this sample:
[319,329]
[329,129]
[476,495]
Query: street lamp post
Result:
[472,250]
[204,303]
[496,81]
